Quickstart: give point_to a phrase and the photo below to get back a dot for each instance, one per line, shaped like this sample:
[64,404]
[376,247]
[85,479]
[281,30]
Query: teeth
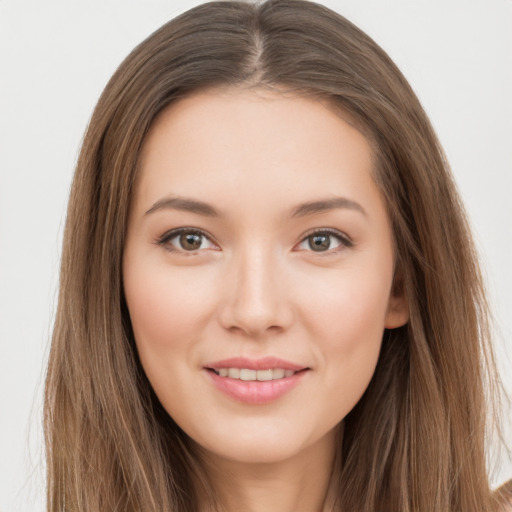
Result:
[252,375]
[264,374]
[278,373]
[234,373]
[247,374]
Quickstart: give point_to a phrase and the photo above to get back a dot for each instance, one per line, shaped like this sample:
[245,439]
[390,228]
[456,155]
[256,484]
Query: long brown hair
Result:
[415,441]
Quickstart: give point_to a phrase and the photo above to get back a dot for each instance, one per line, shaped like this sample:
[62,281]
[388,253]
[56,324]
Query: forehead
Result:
[273,145]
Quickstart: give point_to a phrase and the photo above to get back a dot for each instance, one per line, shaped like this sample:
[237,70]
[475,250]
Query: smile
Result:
[255,381]
[248,374]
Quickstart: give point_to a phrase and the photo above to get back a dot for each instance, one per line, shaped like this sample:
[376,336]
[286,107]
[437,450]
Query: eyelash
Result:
[344,240]
[169,235]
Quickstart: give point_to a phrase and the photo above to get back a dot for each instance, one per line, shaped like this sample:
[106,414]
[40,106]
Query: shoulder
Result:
[504,496]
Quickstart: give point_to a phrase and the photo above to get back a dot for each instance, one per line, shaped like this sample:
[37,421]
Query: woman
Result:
[269,294]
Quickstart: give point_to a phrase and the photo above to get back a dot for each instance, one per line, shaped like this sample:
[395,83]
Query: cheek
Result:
[167,308]
[349,308]
[346,316]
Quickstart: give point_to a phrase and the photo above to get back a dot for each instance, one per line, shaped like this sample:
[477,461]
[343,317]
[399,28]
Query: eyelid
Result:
[343,238]
[164,239]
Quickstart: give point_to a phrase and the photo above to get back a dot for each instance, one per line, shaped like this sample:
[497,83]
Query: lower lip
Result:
[256,392]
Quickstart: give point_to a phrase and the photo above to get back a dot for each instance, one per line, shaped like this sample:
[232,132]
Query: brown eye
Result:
[191,241]
[325,241]
[319,243]
[186,241]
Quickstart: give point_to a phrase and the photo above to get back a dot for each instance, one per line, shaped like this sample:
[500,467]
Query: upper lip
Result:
[264,363]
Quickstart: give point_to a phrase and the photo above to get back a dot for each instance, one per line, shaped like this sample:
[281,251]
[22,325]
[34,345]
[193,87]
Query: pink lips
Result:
[255,364]
[255,392]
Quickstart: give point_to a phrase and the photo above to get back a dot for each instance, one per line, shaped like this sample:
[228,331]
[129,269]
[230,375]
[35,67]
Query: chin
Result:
[258,452]
[270,444]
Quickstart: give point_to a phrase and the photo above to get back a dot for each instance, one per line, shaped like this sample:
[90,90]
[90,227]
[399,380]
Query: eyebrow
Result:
[324,205]
[302,210]
[186,205]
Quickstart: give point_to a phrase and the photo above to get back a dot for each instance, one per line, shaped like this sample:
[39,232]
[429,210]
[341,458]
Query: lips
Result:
[255,381]
[264,363]
[250,375]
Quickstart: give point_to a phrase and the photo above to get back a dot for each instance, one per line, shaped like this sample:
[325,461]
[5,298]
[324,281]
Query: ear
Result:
[397,313]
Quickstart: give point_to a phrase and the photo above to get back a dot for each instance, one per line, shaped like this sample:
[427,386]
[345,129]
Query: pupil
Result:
[319,242]
[190,241]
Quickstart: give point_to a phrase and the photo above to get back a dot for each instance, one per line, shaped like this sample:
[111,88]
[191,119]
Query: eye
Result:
[186,240]
[325,240]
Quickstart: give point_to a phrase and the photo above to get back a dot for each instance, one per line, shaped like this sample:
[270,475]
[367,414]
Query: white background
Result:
[55,58]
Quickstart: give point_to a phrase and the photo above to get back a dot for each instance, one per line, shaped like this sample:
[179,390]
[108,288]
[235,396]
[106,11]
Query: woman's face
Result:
[258,248]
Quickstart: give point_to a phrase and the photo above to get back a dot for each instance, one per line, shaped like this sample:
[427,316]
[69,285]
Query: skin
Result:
[256,287]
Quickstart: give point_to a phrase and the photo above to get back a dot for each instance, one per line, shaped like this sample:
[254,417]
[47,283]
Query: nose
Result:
[256,298]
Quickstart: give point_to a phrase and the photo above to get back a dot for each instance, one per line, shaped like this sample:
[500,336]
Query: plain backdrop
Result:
[56,57]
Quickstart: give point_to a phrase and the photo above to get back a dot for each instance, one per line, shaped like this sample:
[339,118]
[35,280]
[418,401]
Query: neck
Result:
[302,483]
